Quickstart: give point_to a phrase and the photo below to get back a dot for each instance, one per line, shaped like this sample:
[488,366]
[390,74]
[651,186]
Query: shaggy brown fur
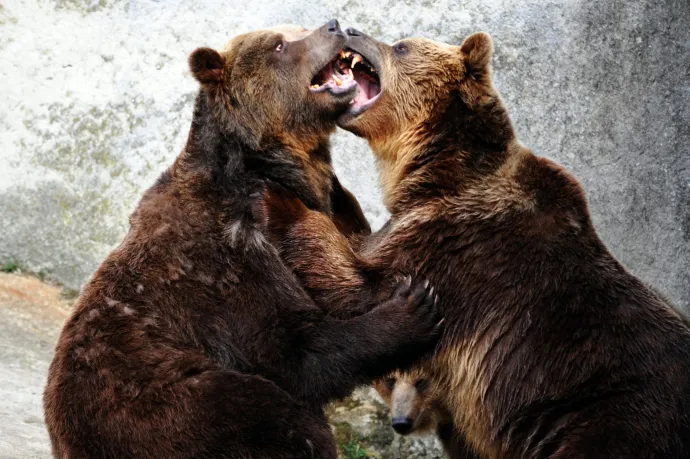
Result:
[552,348]
[416,408]
[193,339]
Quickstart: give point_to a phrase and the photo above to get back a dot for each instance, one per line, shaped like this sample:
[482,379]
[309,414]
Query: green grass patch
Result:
[10,266]
[353,450]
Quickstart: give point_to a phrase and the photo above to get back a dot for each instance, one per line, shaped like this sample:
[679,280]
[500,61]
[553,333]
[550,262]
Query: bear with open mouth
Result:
[551,349]
[193,338]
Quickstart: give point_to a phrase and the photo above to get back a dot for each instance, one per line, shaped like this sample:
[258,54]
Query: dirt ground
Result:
[31,316]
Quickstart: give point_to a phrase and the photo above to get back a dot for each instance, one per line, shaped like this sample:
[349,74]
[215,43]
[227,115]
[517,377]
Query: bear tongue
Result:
[364,88]
[363,92]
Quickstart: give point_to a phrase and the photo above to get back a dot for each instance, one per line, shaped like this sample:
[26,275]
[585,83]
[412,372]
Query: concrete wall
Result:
[96,100]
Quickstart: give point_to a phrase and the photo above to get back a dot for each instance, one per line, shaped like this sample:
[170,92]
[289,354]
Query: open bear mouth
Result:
[347,70]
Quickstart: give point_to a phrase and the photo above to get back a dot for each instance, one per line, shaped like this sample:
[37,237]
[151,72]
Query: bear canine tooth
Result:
[355,60]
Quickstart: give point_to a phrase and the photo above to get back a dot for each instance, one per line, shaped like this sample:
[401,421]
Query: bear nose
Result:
[402,425]
[353,32]
[334,26]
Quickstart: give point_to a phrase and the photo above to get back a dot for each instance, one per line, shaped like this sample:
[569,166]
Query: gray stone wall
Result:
[96,100]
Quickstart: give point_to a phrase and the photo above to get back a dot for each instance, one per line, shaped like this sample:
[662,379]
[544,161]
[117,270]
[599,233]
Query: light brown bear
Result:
[552,349]
[416,409]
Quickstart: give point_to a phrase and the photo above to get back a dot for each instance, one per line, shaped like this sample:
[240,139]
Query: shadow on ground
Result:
[31,315]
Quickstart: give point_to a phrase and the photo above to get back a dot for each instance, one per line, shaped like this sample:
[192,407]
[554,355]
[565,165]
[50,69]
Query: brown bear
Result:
[552,349]
[417,409]
[193,339]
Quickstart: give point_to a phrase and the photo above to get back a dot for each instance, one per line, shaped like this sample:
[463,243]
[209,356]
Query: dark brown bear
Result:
[552,349]
[193,339]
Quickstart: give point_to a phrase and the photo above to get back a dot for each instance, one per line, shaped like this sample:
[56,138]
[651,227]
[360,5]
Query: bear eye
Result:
[390,383]
[422,385]
[400,48]
[279,47]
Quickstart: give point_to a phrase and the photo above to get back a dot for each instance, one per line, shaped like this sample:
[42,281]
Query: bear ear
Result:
[206,65]
[477,50]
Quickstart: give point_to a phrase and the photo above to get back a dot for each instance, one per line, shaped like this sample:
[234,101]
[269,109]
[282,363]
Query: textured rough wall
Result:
[96,101]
